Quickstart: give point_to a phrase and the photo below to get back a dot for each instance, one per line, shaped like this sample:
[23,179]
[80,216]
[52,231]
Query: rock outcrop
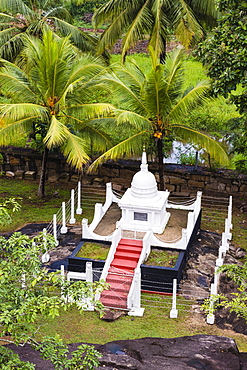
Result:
[184,353]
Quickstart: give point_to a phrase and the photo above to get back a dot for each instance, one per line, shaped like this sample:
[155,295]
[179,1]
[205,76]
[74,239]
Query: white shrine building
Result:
[143,206]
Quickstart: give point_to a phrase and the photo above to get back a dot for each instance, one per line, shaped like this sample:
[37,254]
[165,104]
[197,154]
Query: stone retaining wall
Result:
[26,163]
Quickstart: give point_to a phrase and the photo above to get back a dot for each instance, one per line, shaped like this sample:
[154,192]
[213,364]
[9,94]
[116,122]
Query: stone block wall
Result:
[26,163]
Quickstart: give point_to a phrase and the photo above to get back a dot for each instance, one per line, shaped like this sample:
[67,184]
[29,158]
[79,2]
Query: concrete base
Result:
[136,312]
[173,314]
[210,319]
[64,230]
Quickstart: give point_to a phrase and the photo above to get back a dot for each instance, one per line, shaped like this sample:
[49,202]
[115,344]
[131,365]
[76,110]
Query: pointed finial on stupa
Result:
[144,165]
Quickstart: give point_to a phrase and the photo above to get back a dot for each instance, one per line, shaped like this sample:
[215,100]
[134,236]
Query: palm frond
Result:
[58,12]
[193,97]
[14,81]
[11,133]
[141,24]
[83,40]
[56,134]
[14,7]
[89,111]
[187,27]
[160,29]
[74,149]
[92,133]
[130,73]
[124,94]
[213,147]
[10,113]
[108,10]
[128,147]
[113,32]
[131,118]
[174,71]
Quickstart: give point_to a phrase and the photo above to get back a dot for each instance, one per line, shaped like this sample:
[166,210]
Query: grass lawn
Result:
[74,326]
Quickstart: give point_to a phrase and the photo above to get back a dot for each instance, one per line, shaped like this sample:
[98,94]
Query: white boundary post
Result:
[79,209]
[55,229]
[45,257]
[72,207]
[89,278]
[174,311]
[64,228]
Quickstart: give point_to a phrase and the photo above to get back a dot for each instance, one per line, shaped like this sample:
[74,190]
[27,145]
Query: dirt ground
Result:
[172,231]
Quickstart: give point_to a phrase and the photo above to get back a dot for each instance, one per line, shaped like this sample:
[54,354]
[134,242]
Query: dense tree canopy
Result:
[224,52]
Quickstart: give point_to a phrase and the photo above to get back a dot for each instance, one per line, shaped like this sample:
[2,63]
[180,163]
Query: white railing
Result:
[86,302]
[116,236]
[224,247]
[134,296]
[100,209]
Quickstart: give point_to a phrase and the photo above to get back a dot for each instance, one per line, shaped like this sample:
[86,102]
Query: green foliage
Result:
[53,349]
[28,290]
[224,51]
[239,162]
[214,115]
[238,301]
[7,208]
[11,361]
[237,135]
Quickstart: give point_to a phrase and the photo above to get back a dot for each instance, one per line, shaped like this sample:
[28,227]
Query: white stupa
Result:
[143,206]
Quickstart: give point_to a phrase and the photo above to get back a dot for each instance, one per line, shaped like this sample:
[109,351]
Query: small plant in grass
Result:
[10,361]
[7,208]
[95,251]
[53,349]
[161,257]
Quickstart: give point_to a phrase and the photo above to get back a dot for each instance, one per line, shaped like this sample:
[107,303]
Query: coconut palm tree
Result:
[156,18]
[51,90]
[19,17]
[155,104]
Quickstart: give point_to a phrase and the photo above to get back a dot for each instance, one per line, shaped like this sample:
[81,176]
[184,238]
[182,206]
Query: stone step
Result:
[124,264]
[127,255]
[131,242]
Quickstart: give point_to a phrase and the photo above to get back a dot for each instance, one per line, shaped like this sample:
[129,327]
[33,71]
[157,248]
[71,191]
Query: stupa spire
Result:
[144,164]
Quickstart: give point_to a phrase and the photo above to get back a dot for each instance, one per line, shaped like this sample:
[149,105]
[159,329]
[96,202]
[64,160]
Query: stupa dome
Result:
[144,184]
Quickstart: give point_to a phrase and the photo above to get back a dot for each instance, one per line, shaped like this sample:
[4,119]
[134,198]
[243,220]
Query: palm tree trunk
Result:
[161,164]
[41,190]
[163,53]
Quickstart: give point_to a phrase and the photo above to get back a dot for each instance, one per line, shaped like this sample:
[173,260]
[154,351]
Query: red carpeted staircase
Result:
[121,272]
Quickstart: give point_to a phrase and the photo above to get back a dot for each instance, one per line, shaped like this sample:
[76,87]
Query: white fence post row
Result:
[72,207]
[174,311]
[64,228]
[79,209]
